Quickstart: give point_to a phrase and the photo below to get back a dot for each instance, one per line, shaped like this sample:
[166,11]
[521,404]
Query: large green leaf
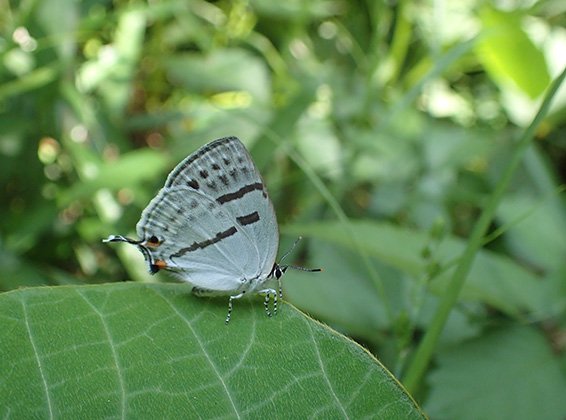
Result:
[510,373]
[494,279]
[155,351]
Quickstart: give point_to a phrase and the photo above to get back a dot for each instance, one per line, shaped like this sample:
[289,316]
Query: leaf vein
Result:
[210,361]
[38,360]
[113,351]
[325,375]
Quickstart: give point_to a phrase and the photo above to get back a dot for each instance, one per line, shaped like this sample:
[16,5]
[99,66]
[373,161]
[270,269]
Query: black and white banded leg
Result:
[268,293]
[229,315]
[202,292]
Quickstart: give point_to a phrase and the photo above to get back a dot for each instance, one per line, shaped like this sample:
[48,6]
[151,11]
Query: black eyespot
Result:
[154,239]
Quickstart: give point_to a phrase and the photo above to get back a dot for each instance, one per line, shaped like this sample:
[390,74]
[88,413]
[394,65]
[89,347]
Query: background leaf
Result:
[508,53]
[527,384]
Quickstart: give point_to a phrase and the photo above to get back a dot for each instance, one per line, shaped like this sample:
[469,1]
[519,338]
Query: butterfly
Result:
[214,226]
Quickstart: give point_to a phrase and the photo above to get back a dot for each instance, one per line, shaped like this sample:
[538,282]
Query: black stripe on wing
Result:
[248,219]
[241,192]
[203,244]
[242,220]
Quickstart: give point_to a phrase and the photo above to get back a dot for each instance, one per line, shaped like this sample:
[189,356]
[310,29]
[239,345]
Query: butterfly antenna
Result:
[291,250]
[294,267]
[310,270]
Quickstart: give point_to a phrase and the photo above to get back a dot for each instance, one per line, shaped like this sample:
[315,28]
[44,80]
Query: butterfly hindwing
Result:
[198,239]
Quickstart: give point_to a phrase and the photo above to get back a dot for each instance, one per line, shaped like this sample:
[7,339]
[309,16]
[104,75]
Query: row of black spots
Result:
[181,169]
[221,148]
[194,184]
[212,184]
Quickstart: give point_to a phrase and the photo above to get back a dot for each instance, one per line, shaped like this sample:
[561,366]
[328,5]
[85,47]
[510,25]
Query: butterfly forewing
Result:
[224,171]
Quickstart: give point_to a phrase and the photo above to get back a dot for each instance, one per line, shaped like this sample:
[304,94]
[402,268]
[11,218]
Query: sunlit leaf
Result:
[508,54]
[155,351]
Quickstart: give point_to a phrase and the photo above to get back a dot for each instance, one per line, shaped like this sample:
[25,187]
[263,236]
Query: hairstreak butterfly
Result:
[213,225]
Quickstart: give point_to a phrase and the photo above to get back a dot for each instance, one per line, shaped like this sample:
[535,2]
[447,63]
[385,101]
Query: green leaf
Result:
[494,279]
[132,168]
[341,295]
[509,55]
[511,373]
[536,229]
[220,71]
[155,351]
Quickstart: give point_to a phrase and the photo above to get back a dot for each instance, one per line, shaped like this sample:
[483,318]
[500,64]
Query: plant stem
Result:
[424,352]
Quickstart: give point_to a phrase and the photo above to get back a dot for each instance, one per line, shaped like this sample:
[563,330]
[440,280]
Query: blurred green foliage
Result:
[381,129]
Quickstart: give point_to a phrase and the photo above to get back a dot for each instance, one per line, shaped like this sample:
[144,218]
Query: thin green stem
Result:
[425,350]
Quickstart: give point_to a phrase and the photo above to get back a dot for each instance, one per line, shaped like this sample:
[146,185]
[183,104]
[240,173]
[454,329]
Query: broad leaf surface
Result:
[494,279]
[155,351]
[510,373]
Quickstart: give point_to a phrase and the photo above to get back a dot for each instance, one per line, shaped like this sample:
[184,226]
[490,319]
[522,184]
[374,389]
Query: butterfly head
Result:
[278,270]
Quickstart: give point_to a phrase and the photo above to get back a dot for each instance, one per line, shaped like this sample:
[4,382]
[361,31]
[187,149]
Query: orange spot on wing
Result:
[160,264]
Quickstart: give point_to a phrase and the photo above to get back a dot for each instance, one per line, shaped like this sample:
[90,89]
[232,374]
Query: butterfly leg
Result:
[229,316]
[277,294]
[268,293]
[266,304]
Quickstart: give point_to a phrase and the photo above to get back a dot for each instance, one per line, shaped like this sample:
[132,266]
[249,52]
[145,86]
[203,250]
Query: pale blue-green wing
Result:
[198,239]
[224,171]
